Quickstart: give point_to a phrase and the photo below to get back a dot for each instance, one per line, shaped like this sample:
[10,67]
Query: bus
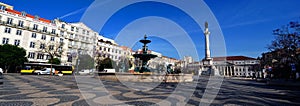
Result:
[29,68]
[64,69]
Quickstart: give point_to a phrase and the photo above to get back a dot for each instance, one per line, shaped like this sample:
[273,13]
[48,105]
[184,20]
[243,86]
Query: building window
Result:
[31,55]
[5,41]
[17,42]
[51,47]
[62,33]
[40,56]
[44,29]
[47,57]
[62,26]
[9,21]
[20,24]
[19,32]
[61,40]
[42,46]
[7,30]
[83,31]
[77,29]
[70,58]
[33,35]
[59,49]
[100,48]
[32,44]
[43,37]
[72,28]
[71,35]
[88,32]
[35,26]
[52,38]
[53,31]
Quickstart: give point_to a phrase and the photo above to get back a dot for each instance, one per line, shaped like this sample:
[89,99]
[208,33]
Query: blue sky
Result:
[246,24]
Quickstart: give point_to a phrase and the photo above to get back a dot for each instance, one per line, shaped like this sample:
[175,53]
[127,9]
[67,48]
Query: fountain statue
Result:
[144,56]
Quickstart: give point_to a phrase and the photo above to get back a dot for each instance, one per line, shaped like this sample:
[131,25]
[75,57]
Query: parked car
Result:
[1,76]
[44,71]
[86,71]
[1,71]
[109,70]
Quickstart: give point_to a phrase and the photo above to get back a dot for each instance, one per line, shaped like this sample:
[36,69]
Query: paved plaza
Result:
[43,90]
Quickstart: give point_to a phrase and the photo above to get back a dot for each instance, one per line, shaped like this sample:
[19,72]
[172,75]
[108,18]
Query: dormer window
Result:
[23,13]
[2,7]
[52,22]
[36,17]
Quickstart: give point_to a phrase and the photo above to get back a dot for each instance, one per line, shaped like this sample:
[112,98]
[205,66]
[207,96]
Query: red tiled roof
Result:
[13,11]
[28,15]
[233,58]
[44,20]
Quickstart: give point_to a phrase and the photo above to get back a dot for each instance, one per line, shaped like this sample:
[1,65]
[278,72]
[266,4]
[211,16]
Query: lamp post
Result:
[78,61]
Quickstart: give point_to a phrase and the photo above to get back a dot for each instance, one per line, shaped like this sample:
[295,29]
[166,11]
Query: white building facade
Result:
[239,66]
[29,32]
[33,33]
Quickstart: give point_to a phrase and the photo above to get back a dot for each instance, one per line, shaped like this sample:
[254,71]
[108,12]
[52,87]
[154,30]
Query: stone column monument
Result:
[208,68]
[207,59]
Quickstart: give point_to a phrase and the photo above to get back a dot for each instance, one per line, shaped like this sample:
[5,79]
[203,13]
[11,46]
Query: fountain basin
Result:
[145,77]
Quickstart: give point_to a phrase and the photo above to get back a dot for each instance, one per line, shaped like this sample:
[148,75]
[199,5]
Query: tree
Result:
[86,62]
[54,61]
[286,40]
[283,50]
[11,55]
[52,48]
[106,63]
[125,64]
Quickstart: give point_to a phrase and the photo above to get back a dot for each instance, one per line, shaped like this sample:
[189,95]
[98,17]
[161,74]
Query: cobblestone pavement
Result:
[44,90]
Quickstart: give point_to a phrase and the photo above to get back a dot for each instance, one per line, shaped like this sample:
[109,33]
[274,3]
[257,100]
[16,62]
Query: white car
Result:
[44,71]
[109,70]
[1,76]
[86,71]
